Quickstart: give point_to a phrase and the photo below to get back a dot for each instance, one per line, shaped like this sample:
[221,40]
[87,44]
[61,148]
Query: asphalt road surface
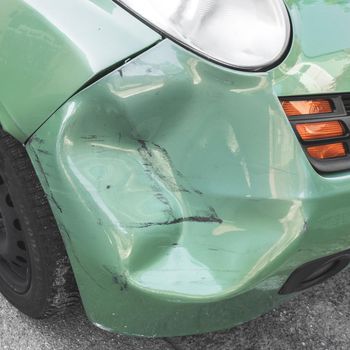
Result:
[317,319]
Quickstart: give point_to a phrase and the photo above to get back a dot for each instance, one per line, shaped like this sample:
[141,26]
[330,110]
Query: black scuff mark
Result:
[145,148]
[121,281]
[41,168]
[197,219]
[154,172]
[305,227]
[54,201]
[44,151]
[222,250]
[165,154]
[147,156]
[168,210]
[48,191]
[118,279]
[90,138]
[36,139]
[213,212]
[166,157]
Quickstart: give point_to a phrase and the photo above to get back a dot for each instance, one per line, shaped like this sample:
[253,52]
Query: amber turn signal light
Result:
[307,107]
[333,150]
[320,130]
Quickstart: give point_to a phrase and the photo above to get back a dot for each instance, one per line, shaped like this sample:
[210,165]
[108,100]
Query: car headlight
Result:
[245,34]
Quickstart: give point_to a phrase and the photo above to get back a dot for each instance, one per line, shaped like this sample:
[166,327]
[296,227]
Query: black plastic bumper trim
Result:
[315,272]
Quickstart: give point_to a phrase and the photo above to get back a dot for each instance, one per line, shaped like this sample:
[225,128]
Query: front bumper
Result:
[183,196]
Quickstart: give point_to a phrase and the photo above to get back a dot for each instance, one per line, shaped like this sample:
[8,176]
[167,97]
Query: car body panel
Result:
[50,49]
[183,196]
[149,231]
[320,55]
[198,200]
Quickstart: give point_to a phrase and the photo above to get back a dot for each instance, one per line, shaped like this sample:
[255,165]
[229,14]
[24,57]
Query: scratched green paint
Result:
[183,196]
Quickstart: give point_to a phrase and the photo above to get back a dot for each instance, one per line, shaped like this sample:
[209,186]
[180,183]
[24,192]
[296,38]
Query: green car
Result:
[179,166]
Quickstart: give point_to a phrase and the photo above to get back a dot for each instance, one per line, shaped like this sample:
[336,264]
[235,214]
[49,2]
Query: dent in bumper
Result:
[183,196]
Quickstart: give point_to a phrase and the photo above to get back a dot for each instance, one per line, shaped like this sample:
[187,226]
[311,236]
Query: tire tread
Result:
[56,275]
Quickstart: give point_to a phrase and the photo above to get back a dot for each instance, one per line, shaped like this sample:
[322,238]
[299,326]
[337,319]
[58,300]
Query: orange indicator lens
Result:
[334,150]
[307,107]
[320,130]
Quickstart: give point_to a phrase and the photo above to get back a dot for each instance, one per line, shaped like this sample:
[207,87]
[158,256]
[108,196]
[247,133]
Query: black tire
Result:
[35,273]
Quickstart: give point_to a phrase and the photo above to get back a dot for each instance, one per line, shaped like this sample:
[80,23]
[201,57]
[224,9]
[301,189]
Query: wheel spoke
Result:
[14,260]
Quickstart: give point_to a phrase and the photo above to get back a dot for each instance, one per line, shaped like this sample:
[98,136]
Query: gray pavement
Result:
[317,319]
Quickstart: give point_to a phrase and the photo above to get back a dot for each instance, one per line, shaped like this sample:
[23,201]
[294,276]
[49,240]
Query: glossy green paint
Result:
[183,196]
[49,49]
[319,59]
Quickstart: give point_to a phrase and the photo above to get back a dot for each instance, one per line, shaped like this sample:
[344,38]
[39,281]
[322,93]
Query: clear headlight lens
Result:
[246,34]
